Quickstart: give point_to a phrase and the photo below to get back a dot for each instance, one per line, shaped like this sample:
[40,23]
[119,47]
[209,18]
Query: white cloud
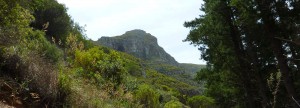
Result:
[162,18]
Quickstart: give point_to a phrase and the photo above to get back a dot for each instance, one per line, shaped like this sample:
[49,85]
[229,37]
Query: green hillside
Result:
[191,68]
[46,60]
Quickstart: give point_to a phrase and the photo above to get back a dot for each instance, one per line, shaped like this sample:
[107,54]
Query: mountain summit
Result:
[140,44]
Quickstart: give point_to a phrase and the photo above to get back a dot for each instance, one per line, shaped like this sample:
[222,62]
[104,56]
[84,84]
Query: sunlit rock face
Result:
[140,44]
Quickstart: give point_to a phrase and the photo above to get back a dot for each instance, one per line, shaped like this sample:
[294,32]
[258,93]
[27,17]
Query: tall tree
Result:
[229,40]
[271,31]
[54,19]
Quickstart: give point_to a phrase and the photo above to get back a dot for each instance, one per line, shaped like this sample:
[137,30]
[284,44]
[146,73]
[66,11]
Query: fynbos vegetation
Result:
[46,60]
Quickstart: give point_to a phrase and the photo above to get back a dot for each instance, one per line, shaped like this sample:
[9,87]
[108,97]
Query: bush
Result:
[33,61]
[64,87]
[14,22]
[130,83]
[147,96]
[201,101]
[133,69]
[36,41]
[53,53]
[174,104]
[39,75]
[95,61]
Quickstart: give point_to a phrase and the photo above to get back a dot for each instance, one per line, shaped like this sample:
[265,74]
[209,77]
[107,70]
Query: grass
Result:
[85,93]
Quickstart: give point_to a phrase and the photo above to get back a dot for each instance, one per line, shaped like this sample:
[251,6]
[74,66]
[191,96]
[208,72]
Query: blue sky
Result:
[162,18]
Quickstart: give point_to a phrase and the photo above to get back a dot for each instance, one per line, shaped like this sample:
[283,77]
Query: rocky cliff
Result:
[140,44]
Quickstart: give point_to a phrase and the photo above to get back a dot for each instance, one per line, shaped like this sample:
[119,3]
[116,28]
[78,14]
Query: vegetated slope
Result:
[191,69]
[38,70]
[123,76]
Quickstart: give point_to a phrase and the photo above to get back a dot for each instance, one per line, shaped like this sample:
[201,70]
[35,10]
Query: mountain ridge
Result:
[140,44]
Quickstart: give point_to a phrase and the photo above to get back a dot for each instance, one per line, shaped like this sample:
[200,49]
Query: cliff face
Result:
[140,44]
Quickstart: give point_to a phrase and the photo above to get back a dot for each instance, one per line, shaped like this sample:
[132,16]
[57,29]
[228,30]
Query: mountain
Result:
[144,46]
[139,44]
[190,68]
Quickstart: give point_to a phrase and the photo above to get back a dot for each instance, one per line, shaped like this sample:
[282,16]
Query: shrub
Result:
[112,67]
[14,22]
[53,53]
[130,83]
[174,104]
[94,61]
[64,87]
[201,101]
[133,69]
[39,75]
[36,41]
[147,96]
[73,44]
[34,61]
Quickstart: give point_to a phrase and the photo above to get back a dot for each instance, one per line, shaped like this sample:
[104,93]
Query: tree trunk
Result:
[256,71]
[261,84]
[276,46]
[244,67]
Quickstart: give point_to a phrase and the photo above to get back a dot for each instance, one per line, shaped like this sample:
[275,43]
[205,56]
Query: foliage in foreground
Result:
[244,42]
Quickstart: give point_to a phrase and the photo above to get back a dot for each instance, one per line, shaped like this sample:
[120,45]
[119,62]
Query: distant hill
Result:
[191,68]
[140,44]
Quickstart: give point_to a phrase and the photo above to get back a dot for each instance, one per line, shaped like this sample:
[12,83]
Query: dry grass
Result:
[33,73]
[86,95]
[43,76]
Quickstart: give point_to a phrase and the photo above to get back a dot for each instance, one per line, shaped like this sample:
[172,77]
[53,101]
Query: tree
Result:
[229,40]
[55,16]
[270,27]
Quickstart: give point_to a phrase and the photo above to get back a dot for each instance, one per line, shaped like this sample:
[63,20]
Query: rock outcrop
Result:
[140,44]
